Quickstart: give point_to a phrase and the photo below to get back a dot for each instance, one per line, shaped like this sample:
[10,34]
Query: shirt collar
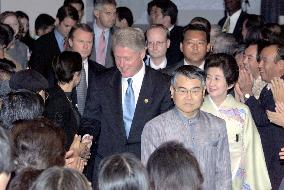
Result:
[138,76]
[97,28]
[162,65]
[236,14]
[186,120]
[200,66]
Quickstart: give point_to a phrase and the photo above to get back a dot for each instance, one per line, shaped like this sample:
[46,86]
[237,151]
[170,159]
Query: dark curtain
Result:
[272,9]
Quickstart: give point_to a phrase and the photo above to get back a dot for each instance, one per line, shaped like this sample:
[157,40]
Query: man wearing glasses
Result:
[202,133]
[157,44]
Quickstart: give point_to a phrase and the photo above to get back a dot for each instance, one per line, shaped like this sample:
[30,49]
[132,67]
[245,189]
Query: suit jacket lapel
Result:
[113,98]
[143,104]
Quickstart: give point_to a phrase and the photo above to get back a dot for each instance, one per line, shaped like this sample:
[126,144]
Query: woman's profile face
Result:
[216,83]
[13,22]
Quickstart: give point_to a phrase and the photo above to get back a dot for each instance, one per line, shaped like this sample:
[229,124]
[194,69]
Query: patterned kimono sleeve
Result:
[256,174]
[223,162]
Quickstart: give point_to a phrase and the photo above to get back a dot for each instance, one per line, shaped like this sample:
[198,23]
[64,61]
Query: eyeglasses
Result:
[183,91]
[157,43]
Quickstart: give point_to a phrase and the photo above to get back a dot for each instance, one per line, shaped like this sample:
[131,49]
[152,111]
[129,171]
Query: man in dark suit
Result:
[125,98]
[272,136]
[81,41]
[195,45]
[166,14]
[233,21]
[105,16]
[51,44]
[158,42]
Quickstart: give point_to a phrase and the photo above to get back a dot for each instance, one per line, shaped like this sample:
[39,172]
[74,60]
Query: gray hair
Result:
[98,4]
[225,43]
[191,72]
[132,38]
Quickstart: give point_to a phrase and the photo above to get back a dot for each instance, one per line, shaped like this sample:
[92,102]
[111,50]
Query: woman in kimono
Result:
[248,165]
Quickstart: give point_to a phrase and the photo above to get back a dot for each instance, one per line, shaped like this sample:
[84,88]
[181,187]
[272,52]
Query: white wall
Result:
[210,9]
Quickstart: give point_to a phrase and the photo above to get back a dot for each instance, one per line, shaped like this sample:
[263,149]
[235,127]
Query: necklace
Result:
[68,99]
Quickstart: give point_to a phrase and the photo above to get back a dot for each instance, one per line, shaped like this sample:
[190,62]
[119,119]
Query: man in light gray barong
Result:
[204,134]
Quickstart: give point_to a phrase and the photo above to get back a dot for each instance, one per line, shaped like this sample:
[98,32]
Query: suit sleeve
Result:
[167,102]
[258,112]
[90,122]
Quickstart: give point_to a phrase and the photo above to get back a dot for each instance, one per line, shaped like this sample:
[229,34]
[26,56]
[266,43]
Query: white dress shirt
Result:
[200,66]
[160,66]
[97,32]
[136,85]
[233,20]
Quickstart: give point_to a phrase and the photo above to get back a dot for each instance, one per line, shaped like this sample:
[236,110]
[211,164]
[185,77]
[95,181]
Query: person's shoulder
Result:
[96,66]
[212,118]
[158,75]
[170,70]
[160,120]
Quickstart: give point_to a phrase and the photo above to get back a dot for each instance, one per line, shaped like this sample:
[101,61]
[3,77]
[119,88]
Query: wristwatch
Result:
[247,96]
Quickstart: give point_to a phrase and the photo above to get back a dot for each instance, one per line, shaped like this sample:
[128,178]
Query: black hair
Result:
[226,63]
[196,27]
[43,21]
[122,172]
[125,13]
[67,11]
[66,64]
[172,166]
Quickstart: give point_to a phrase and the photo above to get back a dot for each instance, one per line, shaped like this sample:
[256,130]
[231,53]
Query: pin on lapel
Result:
[146,100]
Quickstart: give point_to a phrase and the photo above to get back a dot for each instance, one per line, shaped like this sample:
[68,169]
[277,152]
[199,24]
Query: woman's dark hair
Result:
[226,63]
[6,35]
[38,144]
[172,166]
[125,13]
[122,172]
[66,64]
[24,179]
[21,104]
[6,160]
[59,178]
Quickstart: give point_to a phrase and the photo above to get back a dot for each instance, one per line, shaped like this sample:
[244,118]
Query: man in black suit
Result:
[272,136]
[51,44]
[166,14]
[105,16]
[125,98]
[81,41]
[233,21]
[195,45]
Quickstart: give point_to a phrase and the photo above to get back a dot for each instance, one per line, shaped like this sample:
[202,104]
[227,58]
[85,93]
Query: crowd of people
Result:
[105,105]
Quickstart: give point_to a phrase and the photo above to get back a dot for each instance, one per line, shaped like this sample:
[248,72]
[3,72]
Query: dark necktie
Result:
[82,91]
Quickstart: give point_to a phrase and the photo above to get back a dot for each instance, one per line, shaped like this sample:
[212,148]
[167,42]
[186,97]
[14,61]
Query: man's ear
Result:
[204,91]
[172,91]
[280,64]
[181,46]
[208,47]
[96,13]
[168,43]
[70,41]
[56,22]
